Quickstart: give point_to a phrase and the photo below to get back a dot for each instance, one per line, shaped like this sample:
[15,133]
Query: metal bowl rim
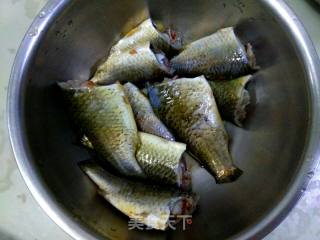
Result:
[56,211]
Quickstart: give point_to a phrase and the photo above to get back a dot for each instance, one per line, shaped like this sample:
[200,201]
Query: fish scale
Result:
[146,32]
[187,106]
[136,65]
[105,117]
[146,119]
[161,159]
[218,56]
[149,204]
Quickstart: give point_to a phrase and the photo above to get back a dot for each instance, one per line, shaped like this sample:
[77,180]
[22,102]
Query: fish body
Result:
[103,114]
[232,98]
[220,55]
[187,106]
[146,119]
[165,41]
[150,205]
[138,64]
[162,161]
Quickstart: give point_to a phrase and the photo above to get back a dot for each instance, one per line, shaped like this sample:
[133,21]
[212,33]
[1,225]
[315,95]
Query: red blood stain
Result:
[173,35]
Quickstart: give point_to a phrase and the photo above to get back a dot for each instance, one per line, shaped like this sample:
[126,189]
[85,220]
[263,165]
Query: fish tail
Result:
[228,175]
[85,142]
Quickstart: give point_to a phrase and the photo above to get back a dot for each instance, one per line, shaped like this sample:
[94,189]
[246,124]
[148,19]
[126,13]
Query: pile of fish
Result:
[150,104]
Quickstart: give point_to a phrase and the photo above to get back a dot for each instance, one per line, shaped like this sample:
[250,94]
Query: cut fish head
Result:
[183,206]
[171,36]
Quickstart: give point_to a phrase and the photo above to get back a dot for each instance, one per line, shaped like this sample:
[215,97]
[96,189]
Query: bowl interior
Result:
[269,149]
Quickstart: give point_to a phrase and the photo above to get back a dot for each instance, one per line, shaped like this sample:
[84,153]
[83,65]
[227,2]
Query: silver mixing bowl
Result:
[277,149]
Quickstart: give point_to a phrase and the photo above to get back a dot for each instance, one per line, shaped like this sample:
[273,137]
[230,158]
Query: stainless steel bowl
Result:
[277,149]
[318,1]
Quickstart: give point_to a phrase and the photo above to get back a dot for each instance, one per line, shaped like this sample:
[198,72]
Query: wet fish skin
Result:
[220,55]
[103,114]
[162,161]
[148,32]
[232,98]
[136,65]
[187,106]
[151,205]
[146,119]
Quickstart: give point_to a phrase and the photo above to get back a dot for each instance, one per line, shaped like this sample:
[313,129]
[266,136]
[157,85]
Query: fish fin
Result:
[84,142]
[154,100]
